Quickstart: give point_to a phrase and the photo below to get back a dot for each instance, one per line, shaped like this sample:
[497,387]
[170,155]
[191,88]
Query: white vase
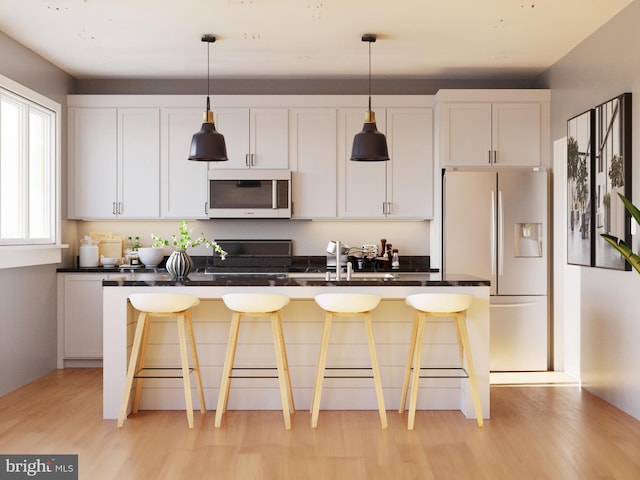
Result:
[179,264]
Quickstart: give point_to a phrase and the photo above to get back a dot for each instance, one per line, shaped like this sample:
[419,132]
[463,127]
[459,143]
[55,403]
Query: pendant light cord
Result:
[369,76]
[208,75]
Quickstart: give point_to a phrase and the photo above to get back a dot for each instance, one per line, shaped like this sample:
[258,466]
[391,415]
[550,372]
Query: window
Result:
[28,169]
[29,177]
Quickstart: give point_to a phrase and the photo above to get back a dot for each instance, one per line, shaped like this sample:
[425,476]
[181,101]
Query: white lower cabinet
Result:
[79,318]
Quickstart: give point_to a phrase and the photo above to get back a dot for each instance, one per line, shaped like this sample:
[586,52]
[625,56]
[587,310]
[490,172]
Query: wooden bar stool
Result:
[153,305]
[346,305]
[257,305]
[437,305]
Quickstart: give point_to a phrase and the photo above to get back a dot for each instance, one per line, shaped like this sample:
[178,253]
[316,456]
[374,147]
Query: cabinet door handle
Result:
[113,208]
[388,208]
[253,159]
[495,156]
[246,160]
[384,208]
[119,208]
[206,208]
[489,156]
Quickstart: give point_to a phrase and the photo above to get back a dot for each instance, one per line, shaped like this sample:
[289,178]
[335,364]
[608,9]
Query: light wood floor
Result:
[535,432]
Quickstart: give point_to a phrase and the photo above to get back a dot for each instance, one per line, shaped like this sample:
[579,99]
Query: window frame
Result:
[39,251]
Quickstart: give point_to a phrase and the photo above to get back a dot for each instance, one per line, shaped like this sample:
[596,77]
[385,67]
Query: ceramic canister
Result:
[88,256]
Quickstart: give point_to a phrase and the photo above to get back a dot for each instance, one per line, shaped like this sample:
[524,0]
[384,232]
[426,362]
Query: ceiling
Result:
[303,38]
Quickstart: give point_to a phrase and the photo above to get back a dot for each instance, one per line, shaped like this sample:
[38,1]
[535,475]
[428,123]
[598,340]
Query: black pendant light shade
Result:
[369,145]
[208,144]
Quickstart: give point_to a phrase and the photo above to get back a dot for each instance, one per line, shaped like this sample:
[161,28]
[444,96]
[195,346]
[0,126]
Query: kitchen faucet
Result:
[335,248]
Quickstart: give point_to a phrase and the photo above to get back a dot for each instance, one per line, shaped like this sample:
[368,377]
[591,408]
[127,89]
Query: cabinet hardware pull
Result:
[246,160]
[113,208]
[119,208]
[489,156]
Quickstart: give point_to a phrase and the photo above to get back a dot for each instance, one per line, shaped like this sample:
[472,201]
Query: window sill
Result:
[14,256]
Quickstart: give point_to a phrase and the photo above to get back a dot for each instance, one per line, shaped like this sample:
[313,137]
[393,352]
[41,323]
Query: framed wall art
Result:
[580,147]
[611,175]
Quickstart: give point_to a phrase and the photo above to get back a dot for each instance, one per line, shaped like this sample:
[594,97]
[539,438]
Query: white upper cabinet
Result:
[139,162]
[494,132]
[361,185]
[400,188]
[255,137]
[114,163]
[410,170]
[184,182]
[312,141]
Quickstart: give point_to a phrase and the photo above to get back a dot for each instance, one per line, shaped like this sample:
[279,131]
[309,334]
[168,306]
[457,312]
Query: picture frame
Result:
[580,148]
[611,175]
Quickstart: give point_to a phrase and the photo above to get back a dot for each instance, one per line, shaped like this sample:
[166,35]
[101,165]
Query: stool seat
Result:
[256,305]
[440,302]
[437,305]
[347,302]
[162,305]
[346,305]
[162,302]
[255,302]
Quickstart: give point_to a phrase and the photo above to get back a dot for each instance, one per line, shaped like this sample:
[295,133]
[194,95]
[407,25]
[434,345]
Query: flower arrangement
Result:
[184,241]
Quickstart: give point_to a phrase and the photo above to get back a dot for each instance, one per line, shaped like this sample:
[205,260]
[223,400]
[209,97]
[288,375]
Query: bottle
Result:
[135,258]
[395,260]
[128,250]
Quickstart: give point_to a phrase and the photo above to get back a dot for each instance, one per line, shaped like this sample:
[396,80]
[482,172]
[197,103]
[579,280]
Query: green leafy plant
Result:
[620,245]
[184,240]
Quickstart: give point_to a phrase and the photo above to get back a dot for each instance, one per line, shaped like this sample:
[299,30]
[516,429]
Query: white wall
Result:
[28,295]
[600,68]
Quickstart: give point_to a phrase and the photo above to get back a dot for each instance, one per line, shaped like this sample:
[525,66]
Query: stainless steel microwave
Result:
[249,193]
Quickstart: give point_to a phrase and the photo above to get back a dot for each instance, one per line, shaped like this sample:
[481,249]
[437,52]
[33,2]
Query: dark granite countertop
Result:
[292,279]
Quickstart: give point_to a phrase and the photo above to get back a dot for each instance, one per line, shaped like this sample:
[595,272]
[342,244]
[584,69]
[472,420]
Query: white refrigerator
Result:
[495,226]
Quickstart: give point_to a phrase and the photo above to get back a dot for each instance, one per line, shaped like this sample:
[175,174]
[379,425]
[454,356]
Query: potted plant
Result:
[620,245]
[179,263]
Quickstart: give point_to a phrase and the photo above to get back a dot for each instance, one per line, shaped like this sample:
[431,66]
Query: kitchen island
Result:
[302,319]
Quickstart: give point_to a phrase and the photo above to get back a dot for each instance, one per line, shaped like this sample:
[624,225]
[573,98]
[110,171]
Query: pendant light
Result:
[208,145]
[369,145]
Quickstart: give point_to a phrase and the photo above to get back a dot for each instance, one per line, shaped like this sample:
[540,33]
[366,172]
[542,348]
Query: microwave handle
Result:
[274,194]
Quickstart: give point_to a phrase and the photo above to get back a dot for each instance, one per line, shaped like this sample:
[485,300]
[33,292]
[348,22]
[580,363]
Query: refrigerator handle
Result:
[493,233]
[500,234]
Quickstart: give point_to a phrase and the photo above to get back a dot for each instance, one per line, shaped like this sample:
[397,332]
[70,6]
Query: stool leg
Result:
[184,358]
[196,363]
[462,327]
[131,370]
[322,361]
[225,383]
[292,408]
[282,373]
[407,373]
[376,370]
[417,360]
[141,363]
